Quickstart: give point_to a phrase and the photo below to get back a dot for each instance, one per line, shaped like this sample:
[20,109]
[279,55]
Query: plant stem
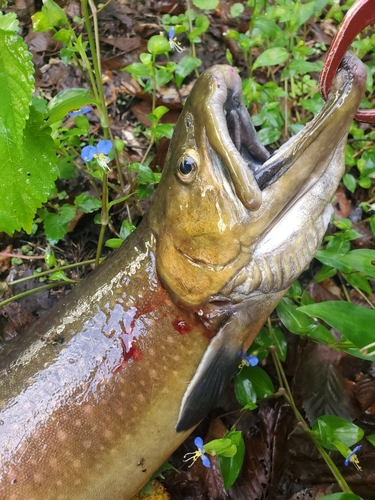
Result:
[301,421]
[38,289]
[51,271]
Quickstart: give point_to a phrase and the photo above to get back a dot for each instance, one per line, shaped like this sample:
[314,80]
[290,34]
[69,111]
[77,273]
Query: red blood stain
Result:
[132,353]
[181,326]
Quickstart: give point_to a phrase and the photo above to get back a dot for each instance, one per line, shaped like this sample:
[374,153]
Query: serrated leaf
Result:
[9,22]
[355,322]
[87,203]
[17,86]
[28,174]
[56,225]
[320,385]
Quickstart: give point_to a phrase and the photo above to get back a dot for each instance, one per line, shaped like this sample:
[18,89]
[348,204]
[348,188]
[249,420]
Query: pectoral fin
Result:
[217,367]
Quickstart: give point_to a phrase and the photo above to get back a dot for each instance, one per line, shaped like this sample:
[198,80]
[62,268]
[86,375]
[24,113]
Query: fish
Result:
[150,338]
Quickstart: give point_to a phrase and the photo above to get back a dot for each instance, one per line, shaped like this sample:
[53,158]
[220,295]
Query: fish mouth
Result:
[240,132]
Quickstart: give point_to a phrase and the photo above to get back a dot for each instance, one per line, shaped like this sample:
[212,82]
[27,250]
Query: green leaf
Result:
[50,258]
[267,27]
[56,225]
[206,4]
[27,175]
[223,446]
[87,203]
[280,343]
[349,182]
[302,66]
[271,57]
[236,9]
[244,390]
[139,70]
[329,428]
[54,14]
[260,380]
[361,260]
[9,22]
[268,135]
[293,318]
[185,66]
[355,322]
[359,281]
[40,22]
[332,260]
[17,86]
[325,273]
[63,36]
[372,223]
[114,242]
[158,44]
[66,101]
[371,439]
[230,467]
[126,229]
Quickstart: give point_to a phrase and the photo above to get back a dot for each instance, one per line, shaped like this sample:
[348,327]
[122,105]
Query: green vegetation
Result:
[38,149]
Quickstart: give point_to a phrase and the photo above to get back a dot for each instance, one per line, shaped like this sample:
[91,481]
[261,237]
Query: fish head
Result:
[222,195]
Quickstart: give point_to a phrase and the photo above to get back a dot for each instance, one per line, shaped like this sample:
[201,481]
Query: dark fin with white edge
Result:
[217,367]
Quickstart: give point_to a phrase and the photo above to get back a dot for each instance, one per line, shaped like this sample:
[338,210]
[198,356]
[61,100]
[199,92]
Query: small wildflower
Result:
[352,458]
[248,360]
[82,111]
[174,44]
[99,153]
[194,455]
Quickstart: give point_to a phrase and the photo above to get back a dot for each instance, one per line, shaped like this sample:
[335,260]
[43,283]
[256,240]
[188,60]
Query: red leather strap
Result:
[358,17]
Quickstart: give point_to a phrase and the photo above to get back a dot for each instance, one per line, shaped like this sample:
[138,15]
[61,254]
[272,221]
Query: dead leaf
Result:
[320,386]
[123,43]
[5,260]
[341,204]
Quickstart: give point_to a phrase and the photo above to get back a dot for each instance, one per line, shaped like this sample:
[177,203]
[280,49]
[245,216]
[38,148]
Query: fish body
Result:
[152,336]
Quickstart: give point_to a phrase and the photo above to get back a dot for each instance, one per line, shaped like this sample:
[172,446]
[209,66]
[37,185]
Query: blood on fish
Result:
[181,326]
[132,353]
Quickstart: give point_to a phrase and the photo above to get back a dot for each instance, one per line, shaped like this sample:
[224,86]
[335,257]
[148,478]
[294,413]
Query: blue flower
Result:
[352,458]
[99,153]
[194,455]
[248,360]
[82,111]
[173,43]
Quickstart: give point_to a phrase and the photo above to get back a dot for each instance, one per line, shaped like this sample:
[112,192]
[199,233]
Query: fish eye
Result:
[187,167]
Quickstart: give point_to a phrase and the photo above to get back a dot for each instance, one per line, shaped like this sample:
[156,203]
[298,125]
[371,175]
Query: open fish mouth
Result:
[267,169]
